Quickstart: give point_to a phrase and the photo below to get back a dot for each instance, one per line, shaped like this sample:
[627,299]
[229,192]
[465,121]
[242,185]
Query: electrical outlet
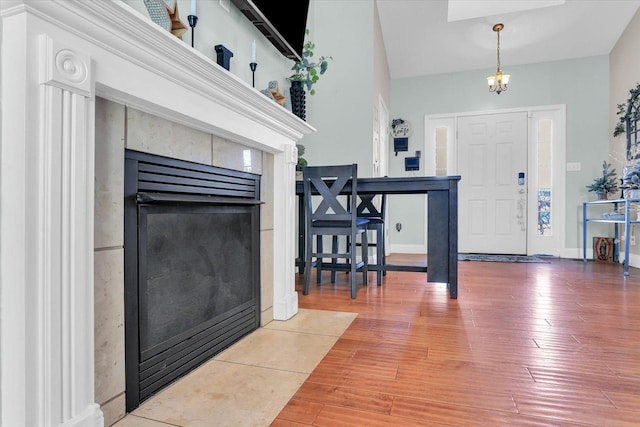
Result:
[632,237]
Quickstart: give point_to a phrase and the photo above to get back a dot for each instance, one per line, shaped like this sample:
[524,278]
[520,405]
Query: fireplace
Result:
[59,58]
[192,266]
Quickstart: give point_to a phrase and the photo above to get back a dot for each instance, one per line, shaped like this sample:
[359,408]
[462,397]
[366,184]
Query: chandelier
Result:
[499,82]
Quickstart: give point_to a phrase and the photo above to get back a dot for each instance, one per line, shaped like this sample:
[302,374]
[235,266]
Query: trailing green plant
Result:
[623,114]
[631,178]
[301,160]
[307,71]
[607,183]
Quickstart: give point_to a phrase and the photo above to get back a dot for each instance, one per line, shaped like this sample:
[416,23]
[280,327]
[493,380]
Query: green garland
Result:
[622,112]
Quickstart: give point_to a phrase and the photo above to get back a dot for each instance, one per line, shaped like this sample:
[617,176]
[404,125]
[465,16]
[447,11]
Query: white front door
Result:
[492,156]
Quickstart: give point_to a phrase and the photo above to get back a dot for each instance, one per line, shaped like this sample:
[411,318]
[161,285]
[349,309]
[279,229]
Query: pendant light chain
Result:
[498,49]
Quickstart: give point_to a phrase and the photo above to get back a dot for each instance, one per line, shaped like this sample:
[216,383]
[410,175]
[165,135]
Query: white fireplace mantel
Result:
[56,57]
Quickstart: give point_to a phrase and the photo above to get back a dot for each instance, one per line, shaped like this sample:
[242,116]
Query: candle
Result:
[253,51]
[193,7]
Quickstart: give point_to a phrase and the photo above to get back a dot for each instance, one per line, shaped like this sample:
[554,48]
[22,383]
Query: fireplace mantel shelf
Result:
[203,89]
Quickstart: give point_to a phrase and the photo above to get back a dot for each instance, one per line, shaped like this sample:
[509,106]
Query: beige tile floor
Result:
[251,381]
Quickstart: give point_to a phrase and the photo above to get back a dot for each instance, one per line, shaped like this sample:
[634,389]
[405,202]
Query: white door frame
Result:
[383,136]
[383,153]
[554,244]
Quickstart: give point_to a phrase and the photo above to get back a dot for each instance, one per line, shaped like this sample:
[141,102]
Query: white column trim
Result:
[285,297]
[64,204]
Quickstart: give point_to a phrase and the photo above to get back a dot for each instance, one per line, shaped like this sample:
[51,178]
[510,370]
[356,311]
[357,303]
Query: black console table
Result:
[442,223]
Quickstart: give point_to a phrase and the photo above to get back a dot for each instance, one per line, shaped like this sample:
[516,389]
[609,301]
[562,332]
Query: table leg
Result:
[584,232]
[627,229]
[442,243]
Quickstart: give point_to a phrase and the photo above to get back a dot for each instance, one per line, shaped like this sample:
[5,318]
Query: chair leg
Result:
[307,263]
[384,249]
[353,266]
[319,249]
[334,250]
[379,251]
[365,259]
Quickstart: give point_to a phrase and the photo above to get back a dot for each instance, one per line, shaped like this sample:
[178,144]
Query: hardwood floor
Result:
[525,344]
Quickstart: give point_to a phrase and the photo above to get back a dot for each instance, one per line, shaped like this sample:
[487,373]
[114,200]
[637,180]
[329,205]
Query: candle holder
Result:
[193,21]
[253,67]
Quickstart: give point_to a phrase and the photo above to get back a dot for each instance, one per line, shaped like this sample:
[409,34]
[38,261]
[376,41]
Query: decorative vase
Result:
[602,196]
[634,194]
[298,99]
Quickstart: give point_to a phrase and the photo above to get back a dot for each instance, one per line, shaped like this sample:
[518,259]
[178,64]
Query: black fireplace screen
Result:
[186,250]
[191,267]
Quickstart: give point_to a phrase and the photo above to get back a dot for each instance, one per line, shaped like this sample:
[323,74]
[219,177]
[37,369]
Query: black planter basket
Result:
[298,99]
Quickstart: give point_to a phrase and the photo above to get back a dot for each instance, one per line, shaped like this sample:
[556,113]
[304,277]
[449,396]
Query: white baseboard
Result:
[91,416]
[406,249]
[576,253]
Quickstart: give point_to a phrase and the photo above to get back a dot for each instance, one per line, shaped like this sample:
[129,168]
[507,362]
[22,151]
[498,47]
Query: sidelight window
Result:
[544,183]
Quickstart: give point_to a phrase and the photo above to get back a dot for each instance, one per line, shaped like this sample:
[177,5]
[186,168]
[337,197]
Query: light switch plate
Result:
[574,166]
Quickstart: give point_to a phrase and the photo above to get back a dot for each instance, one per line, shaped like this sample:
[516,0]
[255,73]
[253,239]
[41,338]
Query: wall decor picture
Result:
[603,249]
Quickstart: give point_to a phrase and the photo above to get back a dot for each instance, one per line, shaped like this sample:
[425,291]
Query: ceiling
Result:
[424,37]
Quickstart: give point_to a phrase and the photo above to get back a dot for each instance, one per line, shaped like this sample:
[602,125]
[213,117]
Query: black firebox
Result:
[192,267]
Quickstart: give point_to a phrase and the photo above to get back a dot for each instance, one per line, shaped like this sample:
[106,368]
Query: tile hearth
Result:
[250,382]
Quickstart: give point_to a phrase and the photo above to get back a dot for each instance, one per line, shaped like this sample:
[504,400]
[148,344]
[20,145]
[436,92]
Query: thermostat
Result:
[412,163]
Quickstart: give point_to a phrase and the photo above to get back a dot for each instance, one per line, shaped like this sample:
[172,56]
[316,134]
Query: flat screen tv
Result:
[282,23]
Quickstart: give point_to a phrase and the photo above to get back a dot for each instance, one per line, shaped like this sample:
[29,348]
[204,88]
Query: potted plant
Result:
[301,160]
[306,74]
[606,183]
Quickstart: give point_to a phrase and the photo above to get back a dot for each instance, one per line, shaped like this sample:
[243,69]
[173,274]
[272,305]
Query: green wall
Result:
[342,110]
[580,84]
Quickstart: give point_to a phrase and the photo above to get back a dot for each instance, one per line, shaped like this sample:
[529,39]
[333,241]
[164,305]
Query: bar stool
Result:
[331,216]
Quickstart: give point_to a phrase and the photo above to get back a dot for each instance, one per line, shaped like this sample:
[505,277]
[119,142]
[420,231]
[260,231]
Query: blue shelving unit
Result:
[627,222]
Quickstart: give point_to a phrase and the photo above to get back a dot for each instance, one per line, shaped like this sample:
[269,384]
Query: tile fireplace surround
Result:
[69,68]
